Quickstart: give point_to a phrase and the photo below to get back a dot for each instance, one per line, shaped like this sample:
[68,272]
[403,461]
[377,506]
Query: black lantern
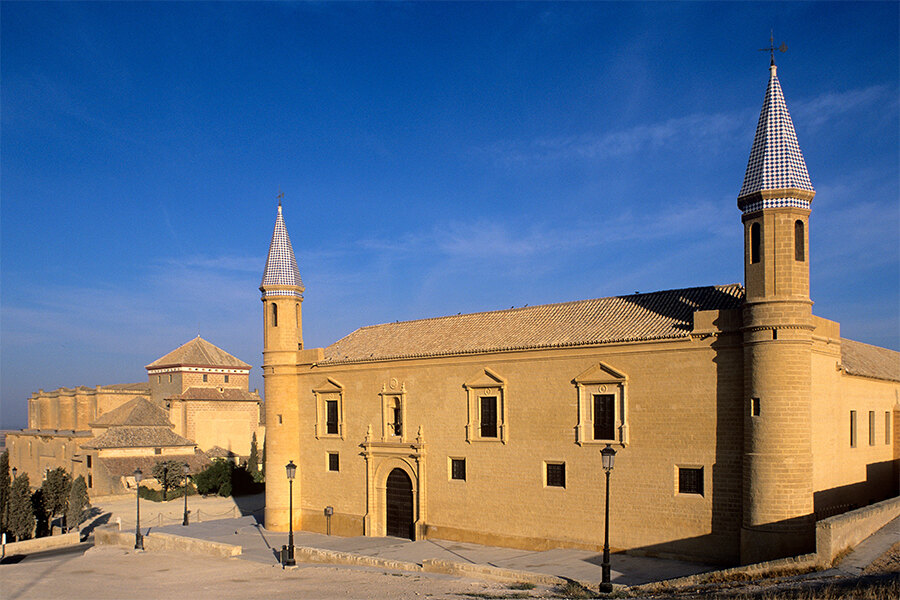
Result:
[608,459]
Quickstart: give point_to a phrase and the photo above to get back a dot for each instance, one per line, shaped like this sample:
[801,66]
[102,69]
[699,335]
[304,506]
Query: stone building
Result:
[739,417]
[201,390]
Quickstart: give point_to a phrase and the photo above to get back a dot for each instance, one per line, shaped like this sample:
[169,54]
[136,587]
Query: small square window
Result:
[458,469]
[205,378]
[157,451]
[334,463]
[556,475]
[690,480]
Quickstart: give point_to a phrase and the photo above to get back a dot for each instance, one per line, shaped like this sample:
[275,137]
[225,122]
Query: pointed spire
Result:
[776,172]
[281,265]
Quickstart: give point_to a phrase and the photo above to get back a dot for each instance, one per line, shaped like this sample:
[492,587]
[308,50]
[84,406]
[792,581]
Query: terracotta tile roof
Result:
[639,317]
[220,452]
[198,353]
[124,466]
[137,411]
[206,393]
[135,387]
[146,436]
[866,360]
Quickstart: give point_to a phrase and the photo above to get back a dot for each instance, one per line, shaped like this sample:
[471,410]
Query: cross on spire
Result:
[771,49]
[280,196]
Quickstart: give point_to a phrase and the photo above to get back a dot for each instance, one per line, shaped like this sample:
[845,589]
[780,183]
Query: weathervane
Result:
[771,49]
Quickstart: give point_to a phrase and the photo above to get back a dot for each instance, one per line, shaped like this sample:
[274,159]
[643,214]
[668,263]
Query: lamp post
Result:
[608,456]
[14,471]
[291,470]
[138,538]
[187,473]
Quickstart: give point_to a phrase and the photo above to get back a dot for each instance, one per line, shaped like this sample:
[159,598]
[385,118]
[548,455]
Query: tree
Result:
[78,503]
[169,474]
[4,491]
[55,491]
[263,470]
[215,479]
[253,459]
[41,517]
[21,514]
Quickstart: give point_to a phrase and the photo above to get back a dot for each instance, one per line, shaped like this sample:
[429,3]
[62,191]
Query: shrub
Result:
[21,513]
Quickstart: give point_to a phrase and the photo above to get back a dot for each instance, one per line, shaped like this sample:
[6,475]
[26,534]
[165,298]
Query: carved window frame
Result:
[601,379]
[391,398]
[488,383]
[331,389]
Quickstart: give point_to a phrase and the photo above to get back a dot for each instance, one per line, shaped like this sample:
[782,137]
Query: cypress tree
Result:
[21,514]
[4,491]
[55,491]
[253,459]
[78,503]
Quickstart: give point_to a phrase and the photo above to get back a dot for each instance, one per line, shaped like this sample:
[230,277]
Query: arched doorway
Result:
[399,504]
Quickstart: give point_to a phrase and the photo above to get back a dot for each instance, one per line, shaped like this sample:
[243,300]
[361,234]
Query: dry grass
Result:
[889,562]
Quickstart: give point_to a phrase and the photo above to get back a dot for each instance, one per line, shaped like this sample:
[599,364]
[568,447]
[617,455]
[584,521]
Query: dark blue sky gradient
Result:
[435,158]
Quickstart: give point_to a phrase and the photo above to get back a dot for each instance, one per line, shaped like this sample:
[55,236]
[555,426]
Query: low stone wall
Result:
[836,534]
[43,543]
[166,542]
[318,555]
[449,567]
[754,571]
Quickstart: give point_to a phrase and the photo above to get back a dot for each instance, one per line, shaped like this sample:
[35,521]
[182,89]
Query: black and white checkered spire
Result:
[776,163]
[281,265]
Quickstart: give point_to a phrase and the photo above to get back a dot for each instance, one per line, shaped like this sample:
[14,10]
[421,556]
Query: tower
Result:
[777,336]
[282,296]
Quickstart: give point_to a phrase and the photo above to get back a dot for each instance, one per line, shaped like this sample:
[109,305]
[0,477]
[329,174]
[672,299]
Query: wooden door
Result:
[399,502]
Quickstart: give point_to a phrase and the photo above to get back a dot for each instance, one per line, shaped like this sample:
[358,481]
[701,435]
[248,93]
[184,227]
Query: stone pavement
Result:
[867,551]
[584,566]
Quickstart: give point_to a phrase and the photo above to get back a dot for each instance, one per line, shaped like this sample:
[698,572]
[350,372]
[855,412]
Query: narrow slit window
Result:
[274,315]
[489,416]
[871,427]
[205,378]
[799,242]
[226,379]
[754,407]
[397,421]
[887,427]
[754,243]
[853,429]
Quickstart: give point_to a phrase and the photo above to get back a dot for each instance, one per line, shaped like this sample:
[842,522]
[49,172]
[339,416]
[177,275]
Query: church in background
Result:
[739,417]
[195,406]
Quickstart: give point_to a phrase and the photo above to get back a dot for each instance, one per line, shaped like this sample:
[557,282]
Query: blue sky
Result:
[435,159]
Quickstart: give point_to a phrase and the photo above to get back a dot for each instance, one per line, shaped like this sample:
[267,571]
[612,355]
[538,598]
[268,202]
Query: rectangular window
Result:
[226,379]
[690,480]
[871,427]
[458,469]
[170,378]
[754,407]
[556,475]
[489,416]
[604,416]
[205,378]
[90,481]
[853,429]
[88,461]
[331,417]
[334,461]
[887,427]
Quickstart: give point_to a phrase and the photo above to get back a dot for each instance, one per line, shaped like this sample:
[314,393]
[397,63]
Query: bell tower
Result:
[775,201]
[282,297]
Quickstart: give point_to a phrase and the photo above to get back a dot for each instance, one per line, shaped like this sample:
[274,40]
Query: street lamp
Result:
[608,456]
[291,470]
[187,473]
[138,538]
